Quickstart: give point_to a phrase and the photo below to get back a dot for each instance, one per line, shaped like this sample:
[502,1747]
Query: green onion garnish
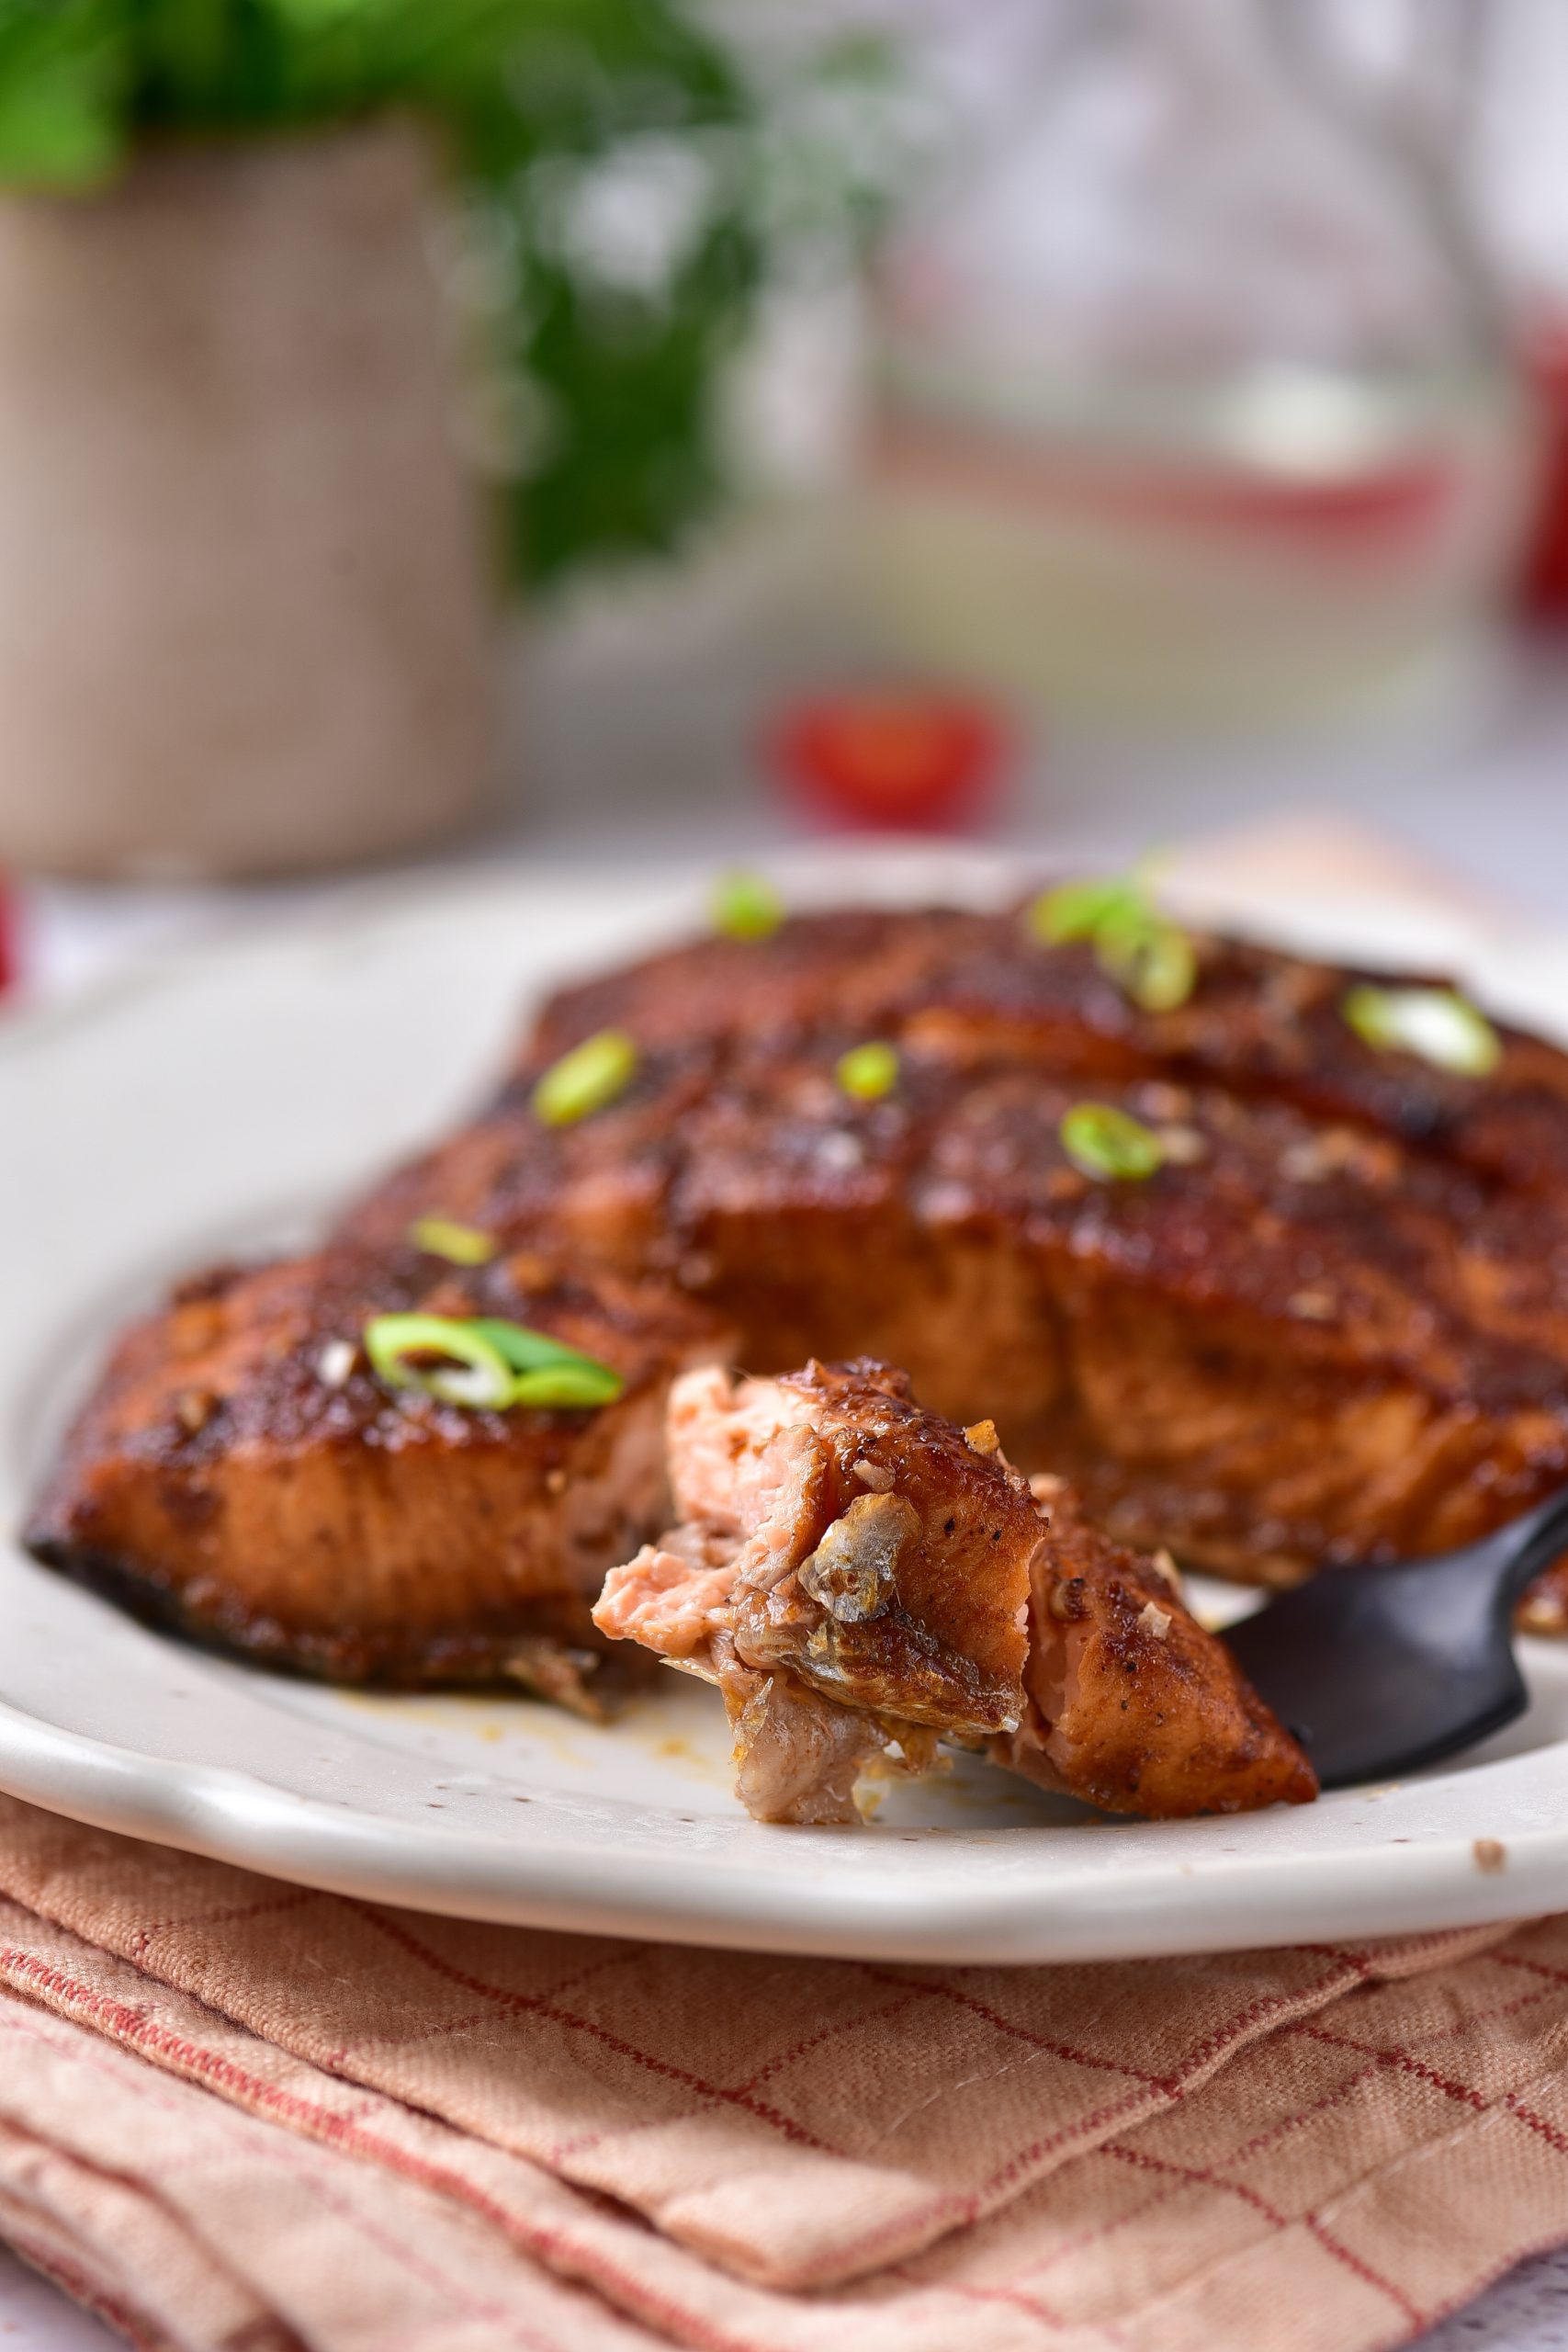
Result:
[462,1245]
[1107,1144]
[588,1078]
[1077,909]
[869,1071]
[1441,1026]
[565,1386]
[485,1363]
[466,1369]
[1150,958]
[745,906]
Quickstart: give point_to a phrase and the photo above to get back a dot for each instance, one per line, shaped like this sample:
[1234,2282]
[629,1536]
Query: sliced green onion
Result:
[588,1078]
[1077,910]
[525,1350]
[463,1245]
[565,1385]
[1150,958]
[490,1364]
[1107,1144]
[1438,1024]
[869,1071]
[470,1370]
[746,906]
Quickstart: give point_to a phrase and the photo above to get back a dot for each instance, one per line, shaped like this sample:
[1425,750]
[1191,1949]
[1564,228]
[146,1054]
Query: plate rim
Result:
[1426,1885]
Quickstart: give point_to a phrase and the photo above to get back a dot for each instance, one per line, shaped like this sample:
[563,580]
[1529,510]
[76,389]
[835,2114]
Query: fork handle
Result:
[1518,1552]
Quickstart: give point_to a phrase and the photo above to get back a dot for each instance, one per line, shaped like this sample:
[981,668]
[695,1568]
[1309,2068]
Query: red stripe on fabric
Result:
[294,1900]
[1535,1967]
[939,1989]
[956,2209]
[552,2246]
[535,2004]
[85,2290]
[1199,2174]
[615,2135]
[1203,2178]
[969,2291]
[1402,2060]
[191,2056]
[1363,2271]
[1535,2121]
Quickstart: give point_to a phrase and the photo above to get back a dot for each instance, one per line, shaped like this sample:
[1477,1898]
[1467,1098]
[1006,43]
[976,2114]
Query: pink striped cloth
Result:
[238,2113]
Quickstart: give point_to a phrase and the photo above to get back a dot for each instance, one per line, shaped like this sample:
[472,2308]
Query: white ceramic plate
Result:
[225,1100]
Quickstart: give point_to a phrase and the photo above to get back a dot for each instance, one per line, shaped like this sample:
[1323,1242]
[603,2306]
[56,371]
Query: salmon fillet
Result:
[240,1474]
[1307,1338]
[863,1579]
[1331,1325]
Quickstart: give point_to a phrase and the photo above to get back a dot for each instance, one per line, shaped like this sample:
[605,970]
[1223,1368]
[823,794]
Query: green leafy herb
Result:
[1438,1024]
[746,906]
[485,1363]
[463,1245]
[869,1071]
[1108,1144]
[587,1079]
[1151,958]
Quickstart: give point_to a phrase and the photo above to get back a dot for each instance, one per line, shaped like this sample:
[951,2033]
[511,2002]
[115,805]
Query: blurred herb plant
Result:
[615,164]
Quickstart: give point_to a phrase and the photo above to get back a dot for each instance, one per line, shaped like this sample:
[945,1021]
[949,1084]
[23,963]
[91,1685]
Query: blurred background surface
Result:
[623,427]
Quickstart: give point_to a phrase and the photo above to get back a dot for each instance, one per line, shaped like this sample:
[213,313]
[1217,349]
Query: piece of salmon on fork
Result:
[863,1579]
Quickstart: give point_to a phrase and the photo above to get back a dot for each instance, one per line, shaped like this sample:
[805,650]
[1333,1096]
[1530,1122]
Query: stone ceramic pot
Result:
[245,622]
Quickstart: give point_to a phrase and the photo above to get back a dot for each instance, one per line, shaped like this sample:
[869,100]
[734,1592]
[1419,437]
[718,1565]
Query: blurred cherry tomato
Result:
[1543,587]
[899,758]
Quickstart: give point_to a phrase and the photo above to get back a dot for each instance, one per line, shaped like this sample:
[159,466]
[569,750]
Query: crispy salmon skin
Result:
[862,1579]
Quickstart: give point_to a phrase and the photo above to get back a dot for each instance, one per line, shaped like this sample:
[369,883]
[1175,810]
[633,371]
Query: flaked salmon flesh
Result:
[863,1579]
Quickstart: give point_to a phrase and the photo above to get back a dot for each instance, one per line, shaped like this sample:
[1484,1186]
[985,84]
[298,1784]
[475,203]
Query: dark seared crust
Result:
[995,1626]
[216,1482]
[976,987]
[1156,1716]
[854,1571]
[1335,1326]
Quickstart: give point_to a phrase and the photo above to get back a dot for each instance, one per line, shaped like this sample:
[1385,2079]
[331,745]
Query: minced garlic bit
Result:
[335,1362]
[981,1437]
[1183,1146]
[872,1475]
[194,1407]
[1154,1620]
[1163,1561]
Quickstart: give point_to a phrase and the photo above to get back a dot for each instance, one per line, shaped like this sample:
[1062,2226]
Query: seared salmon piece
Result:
[862,1579]
[976,987]
[1333,1327]
[242,1474]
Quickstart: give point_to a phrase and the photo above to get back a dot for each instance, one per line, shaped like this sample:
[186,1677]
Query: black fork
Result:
[1380,1670]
